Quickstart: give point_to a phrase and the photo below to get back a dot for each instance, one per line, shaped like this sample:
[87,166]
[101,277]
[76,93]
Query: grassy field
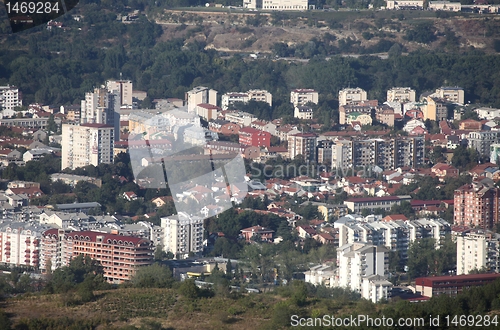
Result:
[126,308]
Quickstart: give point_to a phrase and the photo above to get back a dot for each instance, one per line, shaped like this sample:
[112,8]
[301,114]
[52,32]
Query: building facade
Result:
[303,96]
[102,107]
[249,136]
[123,88]
[10,98]
[183,234]
[199,95]
[358,262]
[119,255]
[302,144]
[403,94]
[350,95]
[477,204]
[86,144]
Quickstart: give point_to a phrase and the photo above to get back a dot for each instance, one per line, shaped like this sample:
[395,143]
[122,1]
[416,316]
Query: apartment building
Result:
[395,235]
[451,94]
[207,111]
[303,112]
[404,4]
[387,154]
[183,234]
[483,141]
[472,252]
[102,107]
[119,255]
[10,98]
[358,262]
[403,94]
[385,115]
[229,99]
[303,96]
[346,110]
[409,151]
[20,244]
[437,229]
[302,144]
[451,285]
[240,117]
[477,204]
[324,152]
[278,4]
[357,205]
[445,6]
[86,144]
[342,154]
[124,90]
[249,136]
[199,95]
[435,109]
[351,95]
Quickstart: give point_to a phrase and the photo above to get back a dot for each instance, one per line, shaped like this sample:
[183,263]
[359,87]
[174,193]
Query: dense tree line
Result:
[51,70]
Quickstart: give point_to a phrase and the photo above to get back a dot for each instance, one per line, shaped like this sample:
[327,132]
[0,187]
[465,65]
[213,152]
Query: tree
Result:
[189,290]
[52,127]
[153,276]
[160,254]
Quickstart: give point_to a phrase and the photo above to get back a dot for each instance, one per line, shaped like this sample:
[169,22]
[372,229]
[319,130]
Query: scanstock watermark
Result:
[312,171]
[167,151]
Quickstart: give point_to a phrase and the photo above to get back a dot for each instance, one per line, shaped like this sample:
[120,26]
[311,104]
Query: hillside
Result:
[250,32]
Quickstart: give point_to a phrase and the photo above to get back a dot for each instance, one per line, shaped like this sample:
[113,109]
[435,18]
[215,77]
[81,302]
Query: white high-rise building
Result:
[303,96]
[86,144]
[9,98]
[471,252]
[183,234]
[359,261]
[401,94]
[124,89]
[284,4]
[351,95]
[199,95]
[102,107]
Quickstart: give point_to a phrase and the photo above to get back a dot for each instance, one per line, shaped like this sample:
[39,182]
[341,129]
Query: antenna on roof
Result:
[120,76]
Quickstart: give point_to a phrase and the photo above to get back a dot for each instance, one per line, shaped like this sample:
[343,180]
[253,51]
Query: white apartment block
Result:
[183,234]
[20,244]
[451,94]
[488,113]
[231,98]
[302,144]
[102,107]
[240,117]
[401,94]
[278,4]
[199,95]
[359,261]
[351,95]
[445,5]
[303,96]
[376,288]
[472,252]
[124,88]
[255,94]
[86,144]
[9,98]
[392,4]
[303,112]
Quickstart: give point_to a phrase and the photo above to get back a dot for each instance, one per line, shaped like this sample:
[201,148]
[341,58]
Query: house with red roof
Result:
[259,231]
[305,231]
